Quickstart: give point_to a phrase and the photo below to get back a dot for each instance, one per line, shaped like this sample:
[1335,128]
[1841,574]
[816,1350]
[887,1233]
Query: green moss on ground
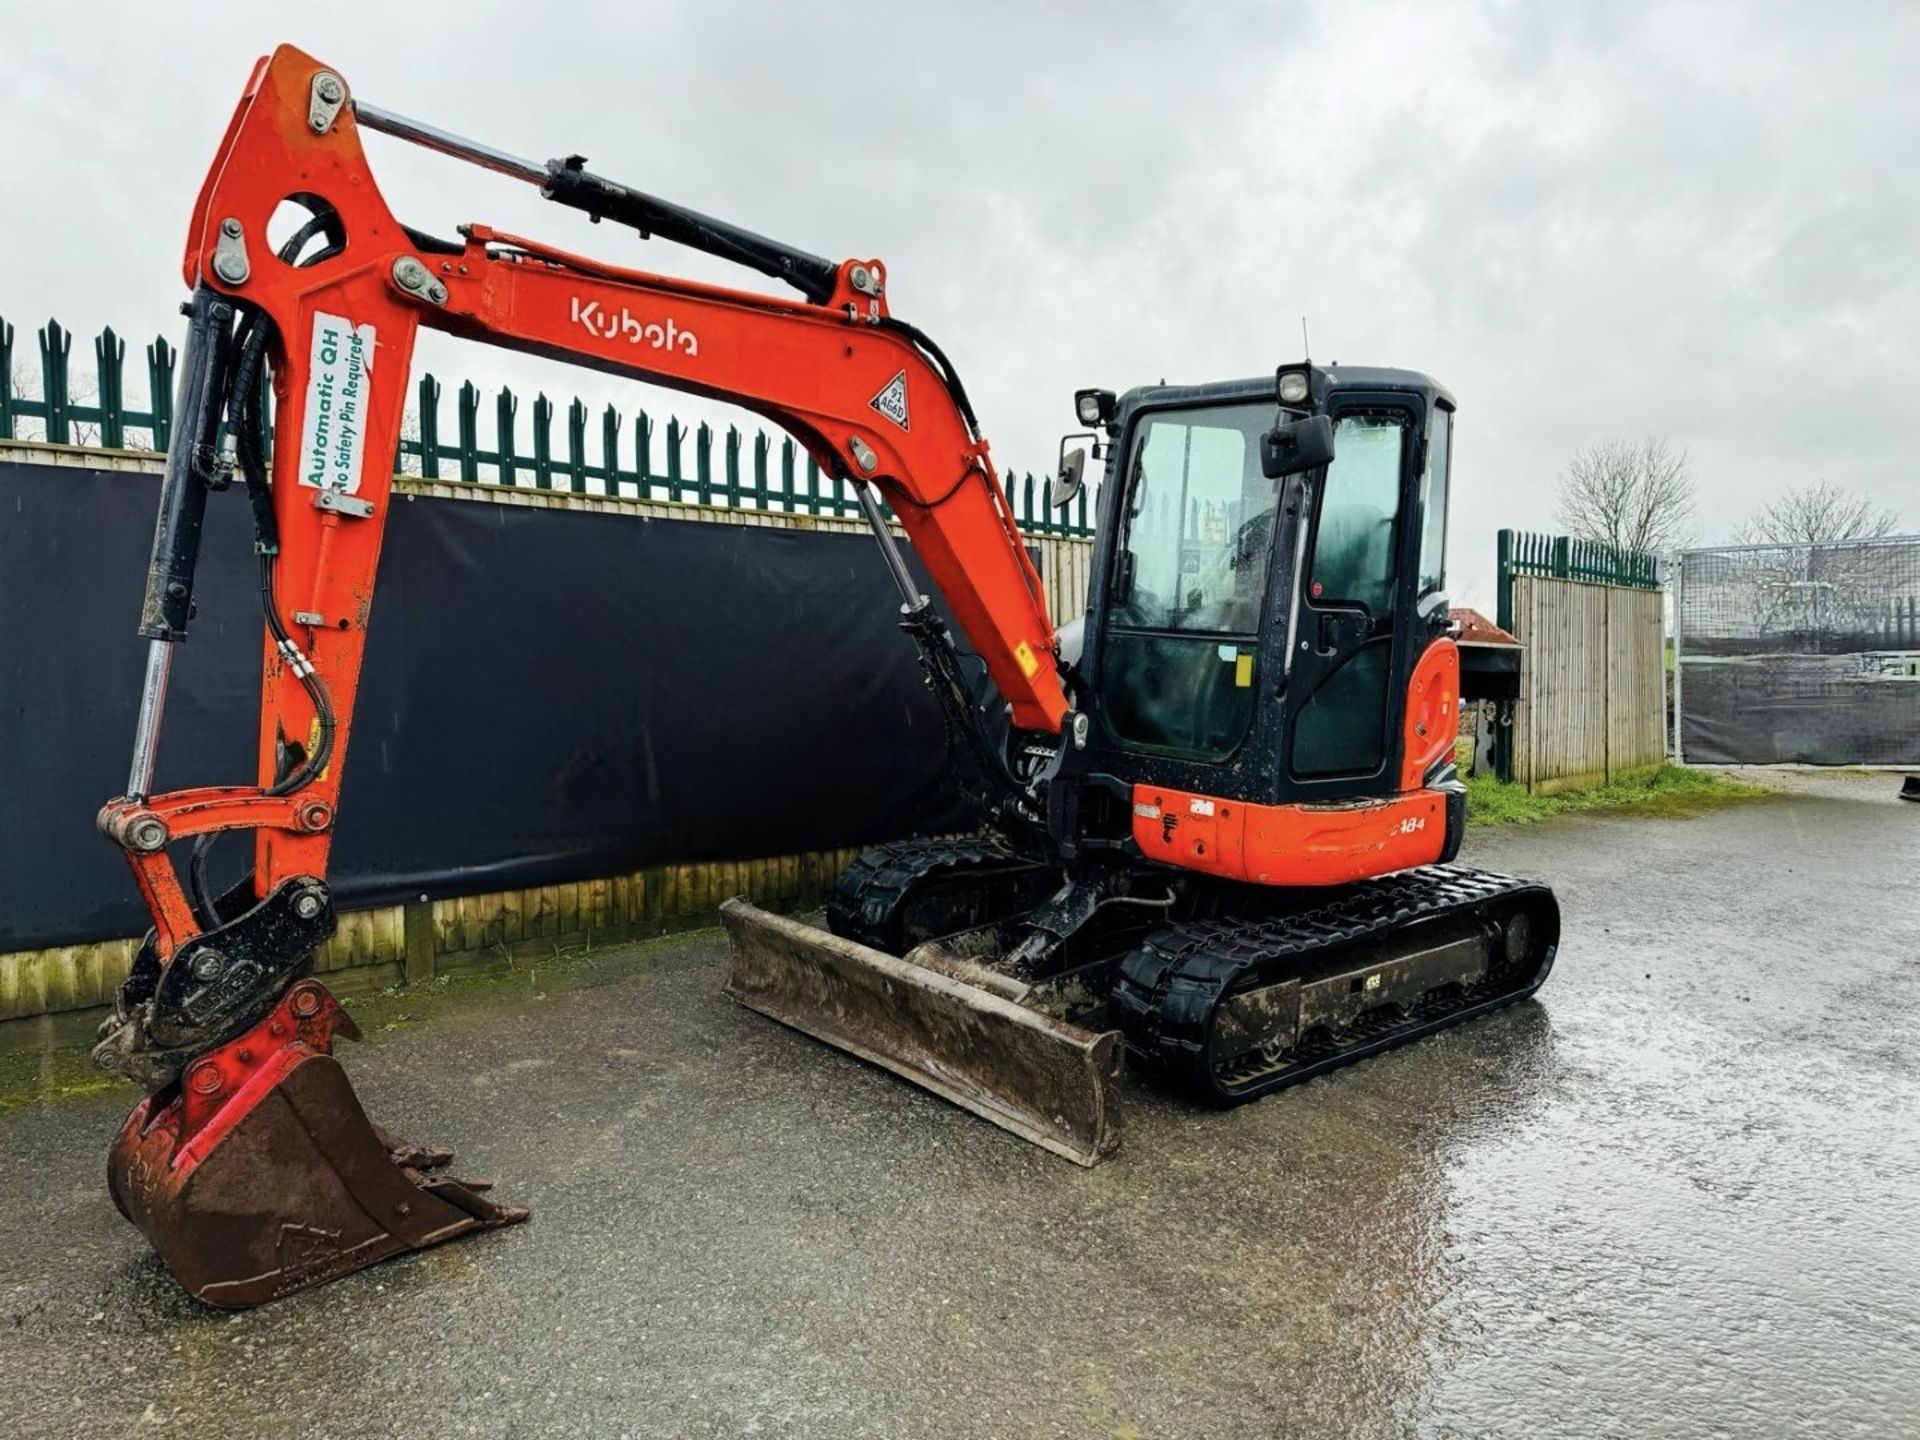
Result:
[64,1071]
[403,1007]
[1671,790]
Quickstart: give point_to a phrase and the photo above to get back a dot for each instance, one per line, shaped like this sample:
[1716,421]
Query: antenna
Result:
[1306,350]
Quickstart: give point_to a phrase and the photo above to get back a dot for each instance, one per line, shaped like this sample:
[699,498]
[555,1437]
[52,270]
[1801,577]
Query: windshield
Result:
[1199,522]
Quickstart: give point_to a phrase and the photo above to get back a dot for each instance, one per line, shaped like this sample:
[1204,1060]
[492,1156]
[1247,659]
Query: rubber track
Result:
[869,893]
[1169,986]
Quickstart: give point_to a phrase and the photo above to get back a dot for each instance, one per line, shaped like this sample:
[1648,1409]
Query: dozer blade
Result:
[260,1175]
[1045,1080]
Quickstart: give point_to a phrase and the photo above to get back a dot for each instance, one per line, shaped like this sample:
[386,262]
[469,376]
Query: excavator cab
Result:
[1253,635]
[1243,878]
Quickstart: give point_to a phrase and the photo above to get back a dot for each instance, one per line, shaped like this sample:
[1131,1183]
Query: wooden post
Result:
[417,920]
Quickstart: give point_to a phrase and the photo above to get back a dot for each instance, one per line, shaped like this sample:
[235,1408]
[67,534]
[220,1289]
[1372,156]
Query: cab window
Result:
[1199,524]
[1341,727]
[1433,502]
[1353,543]
[1190,581]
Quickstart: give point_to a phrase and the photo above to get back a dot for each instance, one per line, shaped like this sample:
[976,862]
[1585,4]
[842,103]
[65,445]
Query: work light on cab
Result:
[1094,407]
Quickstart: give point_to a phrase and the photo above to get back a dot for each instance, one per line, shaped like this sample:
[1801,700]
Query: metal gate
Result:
[1799,654]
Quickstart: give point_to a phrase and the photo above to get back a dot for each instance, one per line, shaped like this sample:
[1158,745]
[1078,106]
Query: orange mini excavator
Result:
[1215,816]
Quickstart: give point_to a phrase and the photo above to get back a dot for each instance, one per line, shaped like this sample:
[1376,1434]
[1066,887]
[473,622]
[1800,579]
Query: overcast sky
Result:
[1589,220]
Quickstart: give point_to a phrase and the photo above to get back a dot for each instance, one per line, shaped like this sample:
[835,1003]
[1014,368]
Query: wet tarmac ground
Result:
[1677,1195]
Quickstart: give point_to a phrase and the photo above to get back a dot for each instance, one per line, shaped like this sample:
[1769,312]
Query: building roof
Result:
[1476,629]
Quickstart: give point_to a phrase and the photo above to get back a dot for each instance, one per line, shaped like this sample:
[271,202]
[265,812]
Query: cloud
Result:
[1589,220]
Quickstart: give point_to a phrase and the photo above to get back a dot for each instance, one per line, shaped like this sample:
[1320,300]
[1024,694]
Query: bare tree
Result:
[1637,494]
[26,386]
[407,462]
[83,432]
[1808,514]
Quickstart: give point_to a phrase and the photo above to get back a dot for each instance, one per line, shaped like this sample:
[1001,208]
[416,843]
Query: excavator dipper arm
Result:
[207,1020]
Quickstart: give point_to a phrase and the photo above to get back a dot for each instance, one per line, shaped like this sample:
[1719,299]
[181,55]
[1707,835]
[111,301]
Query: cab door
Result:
[1346,664]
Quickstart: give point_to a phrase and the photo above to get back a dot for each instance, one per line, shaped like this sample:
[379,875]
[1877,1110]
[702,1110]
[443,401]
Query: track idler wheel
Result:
[258,1174]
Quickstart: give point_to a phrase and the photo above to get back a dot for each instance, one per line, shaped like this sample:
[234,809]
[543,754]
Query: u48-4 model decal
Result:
[661,335]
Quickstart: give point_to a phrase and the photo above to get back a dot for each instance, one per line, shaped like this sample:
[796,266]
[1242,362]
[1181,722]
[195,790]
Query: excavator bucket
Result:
[1045,1080]
[259,1175]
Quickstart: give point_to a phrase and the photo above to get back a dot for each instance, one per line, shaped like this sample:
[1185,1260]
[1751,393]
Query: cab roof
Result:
[1337,378]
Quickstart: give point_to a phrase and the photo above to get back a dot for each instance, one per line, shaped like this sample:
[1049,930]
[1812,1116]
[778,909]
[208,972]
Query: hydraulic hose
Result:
[246,418]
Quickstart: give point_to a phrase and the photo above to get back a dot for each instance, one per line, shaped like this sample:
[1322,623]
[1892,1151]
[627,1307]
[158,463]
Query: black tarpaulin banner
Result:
[1803,654]
[1799,710]
[548,695]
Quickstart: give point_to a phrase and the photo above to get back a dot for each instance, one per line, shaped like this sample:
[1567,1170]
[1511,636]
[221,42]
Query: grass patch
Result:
[1670,790]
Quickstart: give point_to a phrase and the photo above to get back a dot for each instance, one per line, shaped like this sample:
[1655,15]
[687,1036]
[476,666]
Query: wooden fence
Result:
[1592,704]
[62,990]
[51,995]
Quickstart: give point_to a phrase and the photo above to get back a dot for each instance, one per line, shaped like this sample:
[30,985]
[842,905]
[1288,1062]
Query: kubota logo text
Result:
[627,325]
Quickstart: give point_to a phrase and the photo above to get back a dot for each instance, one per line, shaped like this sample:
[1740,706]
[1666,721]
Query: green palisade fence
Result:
[107,418]
[1562,557]
[747,477]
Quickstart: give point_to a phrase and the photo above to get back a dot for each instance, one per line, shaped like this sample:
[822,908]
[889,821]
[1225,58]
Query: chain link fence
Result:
[1799,654]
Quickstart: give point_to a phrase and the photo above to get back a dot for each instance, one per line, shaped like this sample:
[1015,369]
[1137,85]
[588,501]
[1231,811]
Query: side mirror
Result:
[1304,444]
[1069,478]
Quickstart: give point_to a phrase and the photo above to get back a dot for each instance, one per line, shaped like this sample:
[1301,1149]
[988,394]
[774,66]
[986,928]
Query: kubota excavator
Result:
[1215,817]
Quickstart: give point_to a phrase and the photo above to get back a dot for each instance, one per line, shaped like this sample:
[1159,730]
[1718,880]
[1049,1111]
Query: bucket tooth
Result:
[260,1174]
[1047,1081]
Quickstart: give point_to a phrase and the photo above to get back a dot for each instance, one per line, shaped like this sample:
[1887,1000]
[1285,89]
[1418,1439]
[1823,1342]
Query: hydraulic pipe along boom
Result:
[567,182]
